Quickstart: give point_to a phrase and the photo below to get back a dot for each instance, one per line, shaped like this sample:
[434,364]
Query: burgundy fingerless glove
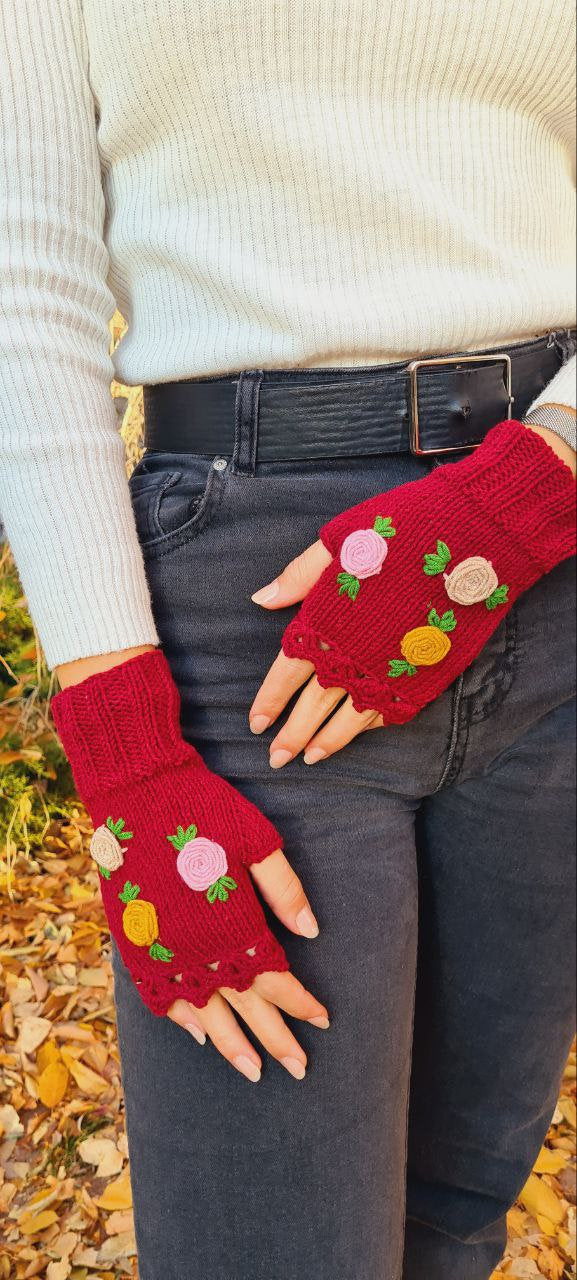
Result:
[173,841]
[423,574]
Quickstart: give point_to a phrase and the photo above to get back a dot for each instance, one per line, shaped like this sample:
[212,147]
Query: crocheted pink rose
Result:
[363,553]
[201,863]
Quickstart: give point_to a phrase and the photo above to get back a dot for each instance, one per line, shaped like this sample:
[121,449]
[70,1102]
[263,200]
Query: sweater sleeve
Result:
[64,495]
[560,392]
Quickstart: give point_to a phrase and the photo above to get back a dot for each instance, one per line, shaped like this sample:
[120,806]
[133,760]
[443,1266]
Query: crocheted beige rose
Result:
[472,581]
[105,846]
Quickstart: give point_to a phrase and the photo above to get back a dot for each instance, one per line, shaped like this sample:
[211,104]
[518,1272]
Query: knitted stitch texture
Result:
[426,572]
[173,841]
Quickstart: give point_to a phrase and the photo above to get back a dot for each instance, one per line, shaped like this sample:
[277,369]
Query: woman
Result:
[290,206]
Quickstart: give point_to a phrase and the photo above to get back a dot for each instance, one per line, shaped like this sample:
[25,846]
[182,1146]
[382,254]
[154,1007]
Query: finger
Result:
[269,1025]
[296,580]
[345,725]
[284,990]
[283,891]
[282,680]
[217,1020]
[311,710]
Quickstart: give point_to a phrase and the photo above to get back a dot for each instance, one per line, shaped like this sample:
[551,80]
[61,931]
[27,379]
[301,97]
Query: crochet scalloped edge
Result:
[335,670]
[199,982]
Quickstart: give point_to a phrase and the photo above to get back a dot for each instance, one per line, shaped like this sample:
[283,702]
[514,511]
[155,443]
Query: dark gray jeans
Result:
[439,858]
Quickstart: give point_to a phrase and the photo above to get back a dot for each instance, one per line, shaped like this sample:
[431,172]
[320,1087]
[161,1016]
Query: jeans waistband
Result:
[428,405]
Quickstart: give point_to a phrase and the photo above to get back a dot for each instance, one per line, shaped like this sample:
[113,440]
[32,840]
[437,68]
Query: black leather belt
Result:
[431,405]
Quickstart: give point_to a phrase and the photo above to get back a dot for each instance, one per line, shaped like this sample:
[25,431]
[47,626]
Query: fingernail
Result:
[295,1067]
[323,1023]
[279,758]
[266,593]
[306,923]
[248,1068]
[258,724]
[196,1031]
[314,755]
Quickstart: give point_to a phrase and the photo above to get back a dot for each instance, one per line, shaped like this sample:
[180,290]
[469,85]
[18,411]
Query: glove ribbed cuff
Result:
[122,725]
[518,481]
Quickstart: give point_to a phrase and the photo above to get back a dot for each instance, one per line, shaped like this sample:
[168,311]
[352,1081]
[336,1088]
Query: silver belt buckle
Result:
[413,369]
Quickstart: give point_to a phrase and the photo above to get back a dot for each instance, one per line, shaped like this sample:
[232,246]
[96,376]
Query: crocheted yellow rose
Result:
[424,646]
[140,922]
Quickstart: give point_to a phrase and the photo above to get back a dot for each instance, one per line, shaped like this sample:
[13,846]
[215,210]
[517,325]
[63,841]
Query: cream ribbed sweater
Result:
[254,183]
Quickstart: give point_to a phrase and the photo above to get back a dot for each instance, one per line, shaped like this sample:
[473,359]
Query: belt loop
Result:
[246,421]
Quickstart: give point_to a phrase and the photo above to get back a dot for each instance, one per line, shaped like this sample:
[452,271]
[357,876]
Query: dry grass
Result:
[64,1187]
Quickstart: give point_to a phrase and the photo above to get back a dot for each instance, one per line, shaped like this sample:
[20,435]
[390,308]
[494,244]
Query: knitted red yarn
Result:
[425,573]
[173,841]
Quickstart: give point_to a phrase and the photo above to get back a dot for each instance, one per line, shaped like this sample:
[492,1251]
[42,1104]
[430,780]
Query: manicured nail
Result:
[306,923]
[196,1031]
[295,1067]
[314,755]
[248,1068]
[279,758]
[266,594]
[258,724]
[323,1023]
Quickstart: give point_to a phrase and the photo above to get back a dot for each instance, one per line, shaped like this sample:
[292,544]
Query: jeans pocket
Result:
[173,497]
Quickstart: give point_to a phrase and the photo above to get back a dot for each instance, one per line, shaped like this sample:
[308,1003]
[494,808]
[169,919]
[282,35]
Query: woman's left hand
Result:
[379,636]
[305,729]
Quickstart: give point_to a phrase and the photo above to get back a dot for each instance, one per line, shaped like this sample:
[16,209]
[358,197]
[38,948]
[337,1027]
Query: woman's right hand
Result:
[260,1006]
[179,852]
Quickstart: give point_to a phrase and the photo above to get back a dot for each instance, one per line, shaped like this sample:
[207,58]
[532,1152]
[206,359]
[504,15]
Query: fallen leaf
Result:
[102,1152]
[541,1201]
[32,1032]
[10,1126]
[58,1270]
[549,1162]
[53,1083]
[118,1194]
[87,1080]
[30,1224]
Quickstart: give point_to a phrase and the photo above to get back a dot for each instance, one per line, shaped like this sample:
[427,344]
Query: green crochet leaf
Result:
[448,621]
[222,892]
[158,952]
[398,667]
[228,882]
[434,619]
[117,829]
[130,892]
[436,562]
[383,526]
[104,872]
[350,585]
[182,837]
[499,596]
[212,893]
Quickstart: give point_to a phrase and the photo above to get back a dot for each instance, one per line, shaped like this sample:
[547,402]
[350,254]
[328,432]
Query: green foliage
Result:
[36,785]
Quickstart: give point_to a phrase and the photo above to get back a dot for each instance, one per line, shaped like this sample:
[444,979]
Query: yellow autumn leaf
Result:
[31,1223]
[546,1226]
[87,1080]
[47,1053]
[549,1162]
[540,1200]
[569,1111]
[80,892]
[117,1195]
[53,1083]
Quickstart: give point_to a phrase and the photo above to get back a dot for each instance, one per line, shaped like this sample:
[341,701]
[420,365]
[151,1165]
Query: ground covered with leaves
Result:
[65,1201]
